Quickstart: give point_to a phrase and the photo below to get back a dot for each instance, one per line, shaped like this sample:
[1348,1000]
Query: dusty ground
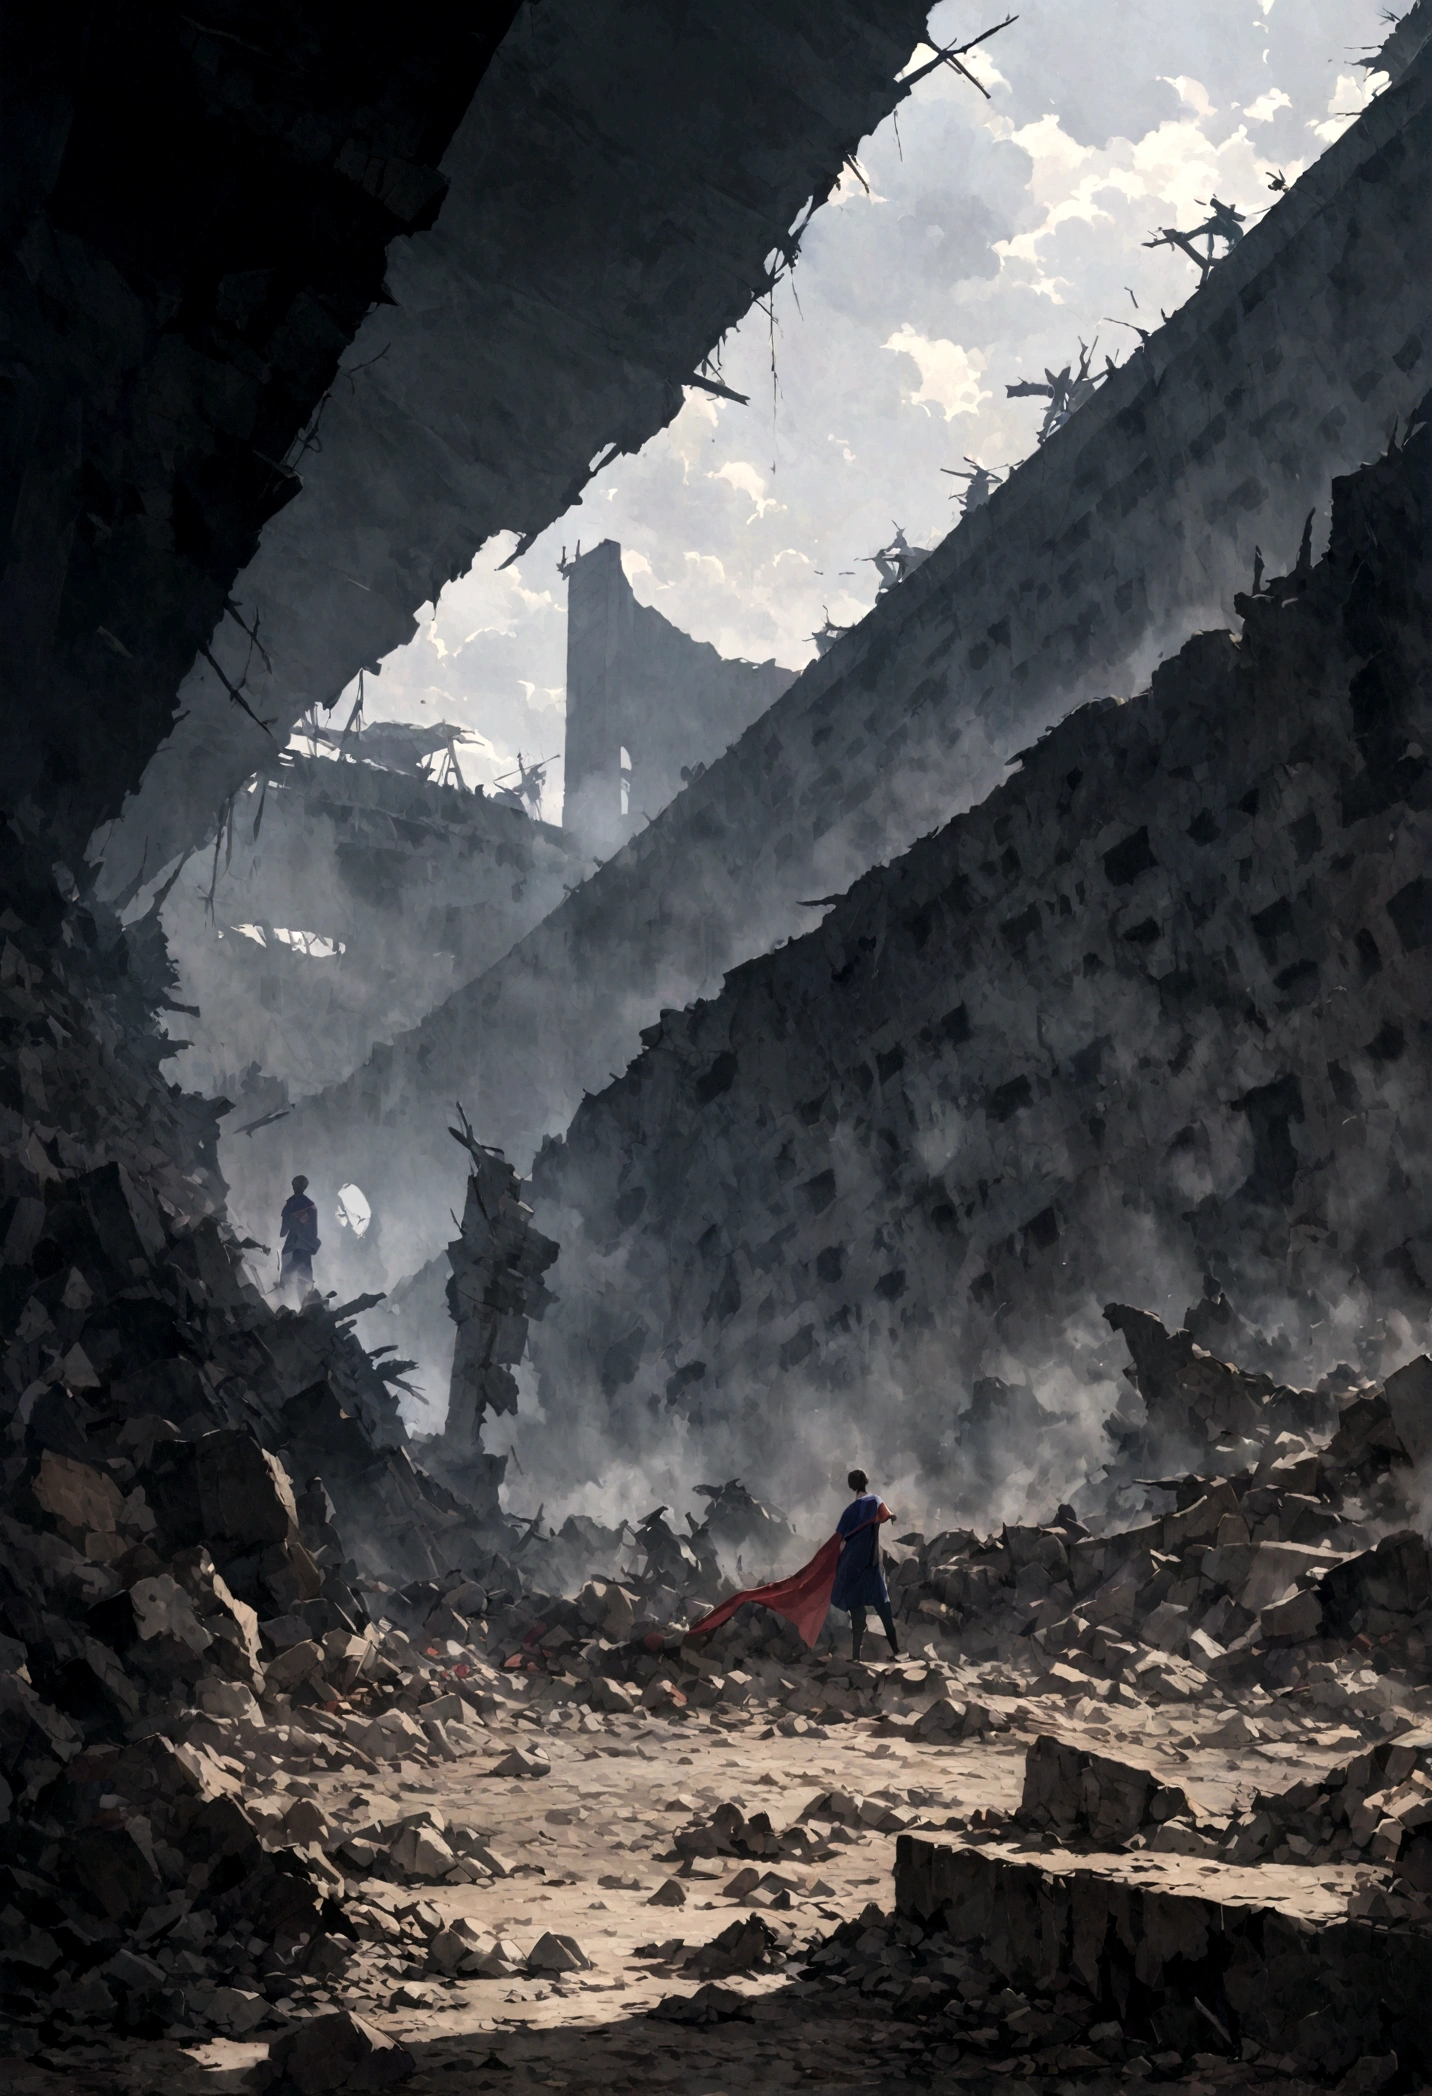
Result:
[591,1843]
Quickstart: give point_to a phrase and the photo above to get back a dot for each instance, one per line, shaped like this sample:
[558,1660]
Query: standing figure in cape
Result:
[859,1578]
[845,1571]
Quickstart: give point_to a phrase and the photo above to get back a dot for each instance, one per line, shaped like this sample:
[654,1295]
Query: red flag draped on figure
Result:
[803,1599]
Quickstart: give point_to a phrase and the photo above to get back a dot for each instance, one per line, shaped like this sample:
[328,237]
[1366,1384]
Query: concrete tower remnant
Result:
[647,707]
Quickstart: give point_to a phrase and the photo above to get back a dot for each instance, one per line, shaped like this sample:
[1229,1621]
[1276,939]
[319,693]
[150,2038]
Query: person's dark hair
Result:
[300,1184]
[858,1481]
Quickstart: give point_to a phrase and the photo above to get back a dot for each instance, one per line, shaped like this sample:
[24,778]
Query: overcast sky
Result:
[995,235]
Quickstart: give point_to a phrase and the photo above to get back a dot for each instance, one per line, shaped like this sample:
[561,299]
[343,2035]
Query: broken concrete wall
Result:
[647,706]
[192,231]
[1135,524]
[622,188]
[1253,1966]
[408,888]
[1155,1009]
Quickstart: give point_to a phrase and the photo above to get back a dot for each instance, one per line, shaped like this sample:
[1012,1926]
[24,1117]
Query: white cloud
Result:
[744,477]
[634,563]
[1267,106]
[704,567]
[1347,100]
[1191,92]
[949,374]
[541,698]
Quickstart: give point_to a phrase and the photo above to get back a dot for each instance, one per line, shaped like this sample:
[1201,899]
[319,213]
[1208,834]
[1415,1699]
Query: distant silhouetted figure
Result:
[299,1230]
[859,1580]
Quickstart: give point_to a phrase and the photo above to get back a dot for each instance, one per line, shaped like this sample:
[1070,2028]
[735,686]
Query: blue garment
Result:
[298,1226]
[859,1581]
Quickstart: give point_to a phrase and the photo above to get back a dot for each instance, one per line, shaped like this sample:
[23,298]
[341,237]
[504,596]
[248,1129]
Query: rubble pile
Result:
[1260,1600]
[1076,1795]
[201,1493]
[1057,1967]
[1268,1578]
[1378,1806]
[1196,1401]
[1374,1810]
[224,1577]
[1085,1957]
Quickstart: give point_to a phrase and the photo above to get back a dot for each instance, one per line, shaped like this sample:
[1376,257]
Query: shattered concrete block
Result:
[709,2004]
[480,1858]
[235,2010]
[1299,1617]
[303,1822]
[942,1719]
[421,1852]
[223,1486]
[300,1663]
[229,1699]
[751,1945]
[444,1707]
[557,1954]
[391,1736]
[1409,1402]
[1299,1980]
[162,1609]
[76,1494]
[520,1763]
[333,2053]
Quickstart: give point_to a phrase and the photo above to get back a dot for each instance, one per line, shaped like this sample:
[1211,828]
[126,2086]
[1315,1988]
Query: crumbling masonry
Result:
[1155,1009]
[1131,528]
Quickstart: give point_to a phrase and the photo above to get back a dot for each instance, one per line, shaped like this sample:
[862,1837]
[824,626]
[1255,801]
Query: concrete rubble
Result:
[197,1662]
[292,1716]
[323,1769]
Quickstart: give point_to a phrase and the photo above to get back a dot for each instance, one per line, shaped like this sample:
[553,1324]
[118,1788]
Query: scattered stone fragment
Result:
[335,2052]
[557,1954]
[709,2004]
[520,1763]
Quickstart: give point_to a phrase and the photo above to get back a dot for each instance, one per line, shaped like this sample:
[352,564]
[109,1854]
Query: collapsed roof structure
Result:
[1134,526]
[339,902]
[622,188]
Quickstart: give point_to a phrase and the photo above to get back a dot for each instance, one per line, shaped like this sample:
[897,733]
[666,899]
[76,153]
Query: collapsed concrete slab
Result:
[338,900]
[1132,527]
[1238,1962]
[620,189]
[194,232]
